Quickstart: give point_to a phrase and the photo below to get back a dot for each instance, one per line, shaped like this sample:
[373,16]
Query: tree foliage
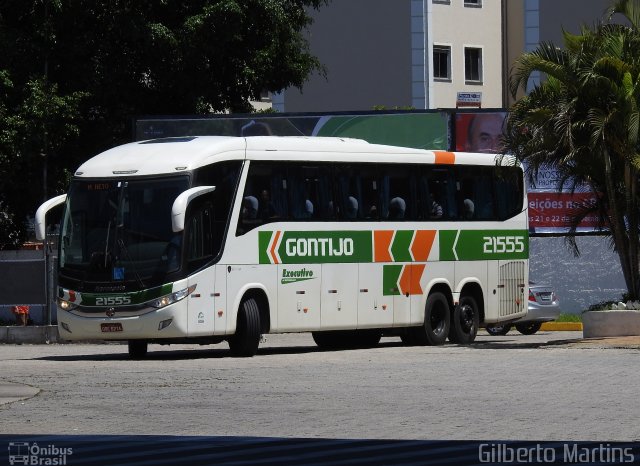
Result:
[583,120]
[73,73]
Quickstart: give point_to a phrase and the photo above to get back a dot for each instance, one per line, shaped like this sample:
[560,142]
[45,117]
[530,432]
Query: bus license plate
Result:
[107,328]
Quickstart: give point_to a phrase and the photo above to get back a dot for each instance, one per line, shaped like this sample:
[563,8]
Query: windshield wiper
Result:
[125,250]
[106,245]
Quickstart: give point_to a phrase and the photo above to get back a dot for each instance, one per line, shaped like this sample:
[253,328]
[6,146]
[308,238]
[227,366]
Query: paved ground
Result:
[549,386]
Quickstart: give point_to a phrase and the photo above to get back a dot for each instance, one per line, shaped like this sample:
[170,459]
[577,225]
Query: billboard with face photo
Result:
[479,132]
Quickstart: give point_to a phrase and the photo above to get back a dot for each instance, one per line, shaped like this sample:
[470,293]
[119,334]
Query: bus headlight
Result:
[66,305]
[171,298]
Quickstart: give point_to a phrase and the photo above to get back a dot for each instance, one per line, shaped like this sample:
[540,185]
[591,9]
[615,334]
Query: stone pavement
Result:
[10,392]
[631,342]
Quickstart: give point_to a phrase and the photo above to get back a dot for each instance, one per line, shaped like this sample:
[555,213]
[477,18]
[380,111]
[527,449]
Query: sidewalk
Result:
[629,342]
[31,334]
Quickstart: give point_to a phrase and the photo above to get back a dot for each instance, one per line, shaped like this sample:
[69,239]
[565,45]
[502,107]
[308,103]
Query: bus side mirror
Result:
[41,214]
[181,203]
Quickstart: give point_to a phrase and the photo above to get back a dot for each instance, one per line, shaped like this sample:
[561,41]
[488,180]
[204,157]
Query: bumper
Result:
[168,322]
[541,313]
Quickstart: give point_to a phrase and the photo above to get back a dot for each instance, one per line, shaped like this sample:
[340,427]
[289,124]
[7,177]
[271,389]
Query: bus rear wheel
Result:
[465,321]
[437,321]
[247,337]
[138,349]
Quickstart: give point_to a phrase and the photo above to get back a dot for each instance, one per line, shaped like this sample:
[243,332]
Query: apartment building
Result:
[402,53]
[530,22]
[423,53]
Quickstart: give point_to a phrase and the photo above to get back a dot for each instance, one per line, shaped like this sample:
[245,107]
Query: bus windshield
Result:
[120,231]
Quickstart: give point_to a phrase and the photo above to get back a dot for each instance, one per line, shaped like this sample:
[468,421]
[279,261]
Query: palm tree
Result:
[584,121]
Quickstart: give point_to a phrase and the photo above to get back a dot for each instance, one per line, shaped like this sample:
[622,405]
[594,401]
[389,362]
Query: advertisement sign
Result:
[479,132]
[469,99]
[551,212]
[420,130]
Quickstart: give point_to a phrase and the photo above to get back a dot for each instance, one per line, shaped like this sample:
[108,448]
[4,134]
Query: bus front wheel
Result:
[247,337]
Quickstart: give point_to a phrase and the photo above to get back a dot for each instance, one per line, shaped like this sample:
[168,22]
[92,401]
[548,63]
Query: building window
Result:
[473,65]
[442,63]
[473,3]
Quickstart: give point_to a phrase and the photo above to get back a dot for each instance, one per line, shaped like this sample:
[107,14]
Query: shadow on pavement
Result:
[222,351]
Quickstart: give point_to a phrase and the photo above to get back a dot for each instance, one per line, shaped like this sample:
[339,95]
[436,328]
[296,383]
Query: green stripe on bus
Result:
[264,238]
[400,246]
[319,247]
[136,297]
[483,244]
[390,277]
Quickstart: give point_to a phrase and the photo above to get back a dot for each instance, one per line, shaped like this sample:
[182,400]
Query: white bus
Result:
[206,239]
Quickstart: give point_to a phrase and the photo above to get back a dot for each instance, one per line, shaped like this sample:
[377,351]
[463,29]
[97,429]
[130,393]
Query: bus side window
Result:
[348,186]
[264,199]
[199,234]
[310,193]
[441,188]
[371,197]
[398,192]
[509,192]
[483,194]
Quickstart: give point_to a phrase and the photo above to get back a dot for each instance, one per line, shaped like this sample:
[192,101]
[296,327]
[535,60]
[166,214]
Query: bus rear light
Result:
[164,324]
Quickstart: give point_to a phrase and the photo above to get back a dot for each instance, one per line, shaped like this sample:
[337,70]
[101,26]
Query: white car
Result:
[543,307]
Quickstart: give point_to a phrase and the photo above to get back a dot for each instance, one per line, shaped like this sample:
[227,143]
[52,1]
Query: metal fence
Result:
[27,277]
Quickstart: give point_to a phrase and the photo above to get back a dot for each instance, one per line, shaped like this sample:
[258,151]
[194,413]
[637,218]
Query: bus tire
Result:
[367,338]
[464,321]
[328,340]
[528,328]
[244,343]
[498,329]
[138,349]
[437,320]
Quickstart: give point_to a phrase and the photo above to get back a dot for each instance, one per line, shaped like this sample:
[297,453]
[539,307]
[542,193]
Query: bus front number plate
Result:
[107,328]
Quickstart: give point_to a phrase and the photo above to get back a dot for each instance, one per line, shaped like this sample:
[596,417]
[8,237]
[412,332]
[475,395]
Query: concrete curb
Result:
[611,323]
[36,334]
[562,327]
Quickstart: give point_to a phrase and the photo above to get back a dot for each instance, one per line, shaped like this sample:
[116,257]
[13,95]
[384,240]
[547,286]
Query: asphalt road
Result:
[540,387]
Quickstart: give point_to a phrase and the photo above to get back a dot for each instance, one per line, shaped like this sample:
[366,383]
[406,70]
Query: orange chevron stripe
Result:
[422,243]
[272,251]
[381,242]
[410,279]
[445,158]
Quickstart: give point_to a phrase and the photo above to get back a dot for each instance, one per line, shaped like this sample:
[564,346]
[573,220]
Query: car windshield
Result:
[120,231]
